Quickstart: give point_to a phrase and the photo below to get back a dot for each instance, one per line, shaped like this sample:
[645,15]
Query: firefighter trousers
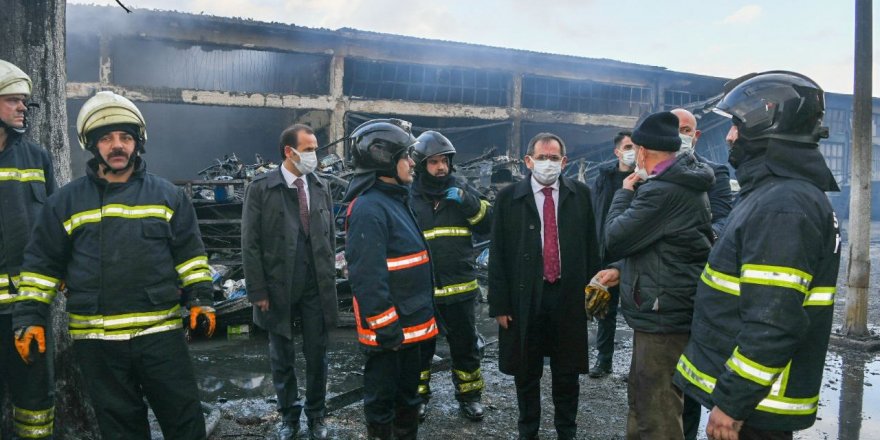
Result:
[391,381]
[461,334]
[119,374]
[29,385]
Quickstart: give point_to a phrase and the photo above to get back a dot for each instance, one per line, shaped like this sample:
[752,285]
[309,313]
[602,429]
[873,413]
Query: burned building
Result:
[210,86]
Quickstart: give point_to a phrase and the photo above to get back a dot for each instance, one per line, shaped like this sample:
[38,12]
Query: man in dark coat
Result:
[544,252]
[289,262]
[662,233]
[609,180]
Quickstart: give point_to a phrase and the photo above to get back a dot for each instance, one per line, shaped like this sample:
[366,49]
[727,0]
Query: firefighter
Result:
[26,179]
[390,274]
[126,244]
[448,211]
[764,304]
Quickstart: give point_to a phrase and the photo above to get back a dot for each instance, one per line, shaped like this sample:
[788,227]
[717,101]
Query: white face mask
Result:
[641,172]
[628,158]
[687,145]
[546,171]
[308,161]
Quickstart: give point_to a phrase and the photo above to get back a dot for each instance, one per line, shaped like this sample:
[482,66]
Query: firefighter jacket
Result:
[448,227]
[124,251]
[765,300]
[26,179]
[389,269]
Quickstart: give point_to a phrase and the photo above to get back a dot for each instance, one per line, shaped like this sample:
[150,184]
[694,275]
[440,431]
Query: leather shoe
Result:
[600,370]
[472,410]
[289,430]
[317,429]
[423,411]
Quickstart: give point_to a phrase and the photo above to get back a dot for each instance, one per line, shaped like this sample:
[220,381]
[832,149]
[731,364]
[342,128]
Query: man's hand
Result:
[608,277]
[454,194]
[722,427]
[504,320]
[262,304]
[208,313]
[631,181]
[25,336]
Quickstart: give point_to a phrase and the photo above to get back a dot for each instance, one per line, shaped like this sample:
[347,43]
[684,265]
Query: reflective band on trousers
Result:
[194,270]
[773,403]
[484,207]
[770,276]
[407,261]
[22,175]
[454,289]
[117,210]
[448,231]
[33,423]
[124,327]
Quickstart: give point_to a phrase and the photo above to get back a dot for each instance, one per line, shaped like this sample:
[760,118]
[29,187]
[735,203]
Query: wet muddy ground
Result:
[234,375]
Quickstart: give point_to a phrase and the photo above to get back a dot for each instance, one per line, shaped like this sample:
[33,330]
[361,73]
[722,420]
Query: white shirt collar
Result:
[537,187]
[289,177]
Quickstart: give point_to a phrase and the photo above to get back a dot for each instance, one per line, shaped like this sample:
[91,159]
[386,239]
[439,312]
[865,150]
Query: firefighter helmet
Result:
[13,81]
[432,143]
[776,104]
[377,145]
[106,109]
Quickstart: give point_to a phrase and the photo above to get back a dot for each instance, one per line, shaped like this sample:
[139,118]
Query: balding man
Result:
[720,196]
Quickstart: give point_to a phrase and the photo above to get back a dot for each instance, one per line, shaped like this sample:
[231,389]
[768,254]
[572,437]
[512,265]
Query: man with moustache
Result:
[26,179]
[543,252]
[125,242]
[390,274]
[288,251]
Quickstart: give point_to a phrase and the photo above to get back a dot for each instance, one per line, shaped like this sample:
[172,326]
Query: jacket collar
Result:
[277,178]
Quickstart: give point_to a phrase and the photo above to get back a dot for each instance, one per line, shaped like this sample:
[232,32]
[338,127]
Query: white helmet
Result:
[13,81]
[107,108]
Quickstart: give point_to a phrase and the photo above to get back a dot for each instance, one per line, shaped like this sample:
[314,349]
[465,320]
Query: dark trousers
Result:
[391,380]
[461,334]
[282,354]
[565,386]
[30,385]
[655,405]
[606,327]
[119,374]
[690,417]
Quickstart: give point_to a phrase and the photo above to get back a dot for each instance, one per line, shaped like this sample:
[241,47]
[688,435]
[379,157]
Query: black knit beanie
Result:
[658,132]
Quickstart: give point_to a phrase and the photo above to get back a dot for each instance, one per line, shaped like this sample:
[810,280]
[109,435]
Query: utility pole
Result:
[858,269]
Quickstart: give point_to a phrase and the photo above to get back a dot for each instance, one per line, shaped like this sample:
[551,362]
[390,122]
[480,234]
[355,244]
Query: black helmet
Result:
[378,144]
[432,143]
[776,104]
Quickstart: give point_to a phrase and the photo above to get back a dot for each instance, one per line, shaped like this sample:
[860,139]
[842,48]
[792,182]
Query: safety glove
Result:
[596,299]
[454,194]
[24,336]
[207,313]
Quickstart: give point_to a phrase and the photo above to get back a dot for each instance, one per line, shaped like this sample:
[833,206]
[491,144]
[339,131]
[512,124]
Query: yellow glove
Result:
[25,336]
[208,312]
[596,299]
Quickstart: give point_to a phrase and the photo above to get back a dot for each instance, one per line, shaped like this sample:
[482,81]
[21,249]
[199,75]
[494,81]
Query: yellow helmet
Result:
[13,81]
[107,108]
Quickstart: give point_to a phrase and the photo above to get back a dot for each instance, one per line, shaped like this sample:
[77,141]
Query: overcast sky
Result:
[718,37]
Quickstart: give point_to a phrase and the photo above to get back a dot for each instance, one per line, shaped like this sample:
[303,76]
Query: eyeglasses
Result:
[550,157]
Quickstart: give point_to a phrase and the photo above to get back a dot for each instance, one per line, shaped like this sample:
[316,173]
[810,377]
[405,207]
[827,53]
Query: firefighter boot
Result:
[471,410]
[406,423]
[379,431]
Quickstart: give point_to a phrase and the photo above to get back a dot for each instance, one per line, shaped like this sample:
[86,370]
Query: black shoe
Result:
[289,430]
[376,431]
[600,370]
[472,410]
[317,429]
[423,411]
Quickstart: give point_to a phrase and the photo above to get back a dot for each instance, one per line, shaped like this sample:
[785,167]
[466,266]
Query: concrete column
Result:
[337,118]
[105,70]
[516,148]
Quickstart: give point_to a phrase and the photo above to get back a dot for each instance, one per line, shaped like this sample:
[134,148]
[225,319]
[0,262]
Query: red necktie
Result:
[303,205]
[551,238]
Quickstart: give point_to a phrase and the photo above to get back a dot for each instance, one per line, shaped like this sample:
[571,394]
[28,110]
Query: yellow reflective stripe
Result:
[751,370]
[781,382]
[22,175]
[196,277]
[789,406]
[33,423]
[424,389]
[116,210]
[33,294]
[464,376]
[4,280]
[6,297]
[140,319]
[454,289]
[820,296]
[124,335]
[446,231]
[470,386]
[484,208]
[28,431]
[779,276]
[425,375]
[44,282]
[33,416]
[720,281]
[197,262]
[701,380]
